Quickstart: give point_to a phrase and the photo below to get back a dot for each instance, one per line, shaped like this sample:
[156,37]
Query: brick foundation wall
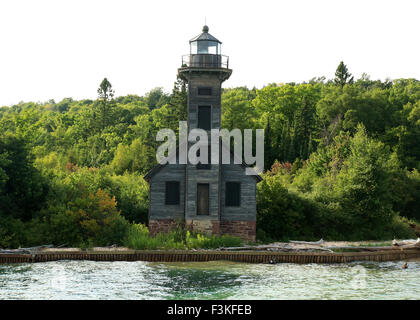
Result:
[161,226]
[243,229]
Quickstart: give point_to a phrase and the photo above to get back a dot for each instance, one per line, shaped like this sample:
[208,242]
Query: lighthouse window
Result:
[205,47]
[233,194]
[204,91]
[204,117]
[194,47]
[172,193]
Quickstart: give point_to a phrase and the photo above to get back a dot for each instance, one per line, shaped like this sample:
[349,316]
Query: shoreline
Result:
[397,254]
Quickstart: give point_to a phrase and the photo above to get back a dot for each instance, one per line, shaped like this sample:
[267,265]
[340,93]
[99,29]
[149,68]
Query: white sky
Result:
[56,49]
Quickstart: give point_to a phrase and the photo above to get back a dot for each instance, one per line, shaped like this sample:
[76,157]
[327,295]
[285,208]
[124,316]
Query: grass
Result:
[138,238]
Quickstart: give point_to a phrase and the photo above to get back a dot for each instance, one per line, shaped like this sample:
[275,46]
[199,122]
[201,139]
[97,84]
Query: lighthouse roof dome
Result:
[205,36]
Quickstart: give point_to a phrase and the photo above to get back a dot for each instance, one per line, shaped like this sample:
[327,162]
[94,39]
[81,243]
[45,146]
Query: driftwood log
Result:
[285,248]
[321,241]
[316,246]
[293,246]
[30,250]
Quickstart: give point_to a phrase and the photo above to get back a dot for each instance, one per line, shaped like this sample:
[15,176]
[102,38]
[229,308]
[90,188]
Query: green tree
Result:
[342,75]
[105,106]
[22,187]
[137,157]
[156,98]
[237,109]
[178,100]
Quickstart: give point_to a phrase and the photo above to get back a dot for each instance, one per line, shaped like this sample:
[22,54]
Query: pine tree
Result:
[342,75]
[104,108]
[178,99]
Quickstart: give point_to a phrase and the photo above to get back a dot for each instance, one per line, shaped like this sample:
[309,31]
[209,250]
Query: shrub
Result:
[196,241]
[132,194]
[11,232]
[405,191]
[98,218]
[138,238]
[90,219]
[281,214]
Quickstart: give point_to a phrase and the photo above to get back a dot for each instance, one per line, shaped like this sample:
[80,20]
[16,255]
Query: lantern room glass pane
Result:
[205,47]
[194,47]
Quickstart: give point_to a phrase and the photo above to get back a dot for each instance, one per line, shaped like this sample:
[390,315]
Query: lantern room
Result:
[205,52]
[205,43]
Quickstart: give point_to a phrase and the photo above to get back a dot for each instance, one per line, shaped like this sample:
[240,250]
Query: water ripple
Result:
[209,280]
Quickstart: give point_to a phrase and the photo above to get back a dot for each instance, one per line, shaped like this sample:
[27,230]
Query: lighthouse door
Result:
[202,199]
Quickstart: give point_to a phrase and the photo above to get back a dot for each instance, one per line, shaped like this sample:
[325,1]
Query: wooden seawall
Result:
[201,256]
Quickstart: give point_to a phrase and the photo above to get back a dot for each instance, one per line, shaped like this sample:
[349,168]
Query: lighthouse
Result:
[210,198]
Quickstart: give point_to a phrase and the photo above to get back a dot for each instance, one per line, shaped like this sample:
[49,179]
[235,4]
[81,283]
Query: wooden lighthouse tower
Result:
[209,198]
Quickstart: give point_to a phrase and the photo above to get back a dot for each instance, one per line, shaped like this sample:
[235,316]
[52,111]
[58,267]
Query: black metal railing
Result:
[205,61]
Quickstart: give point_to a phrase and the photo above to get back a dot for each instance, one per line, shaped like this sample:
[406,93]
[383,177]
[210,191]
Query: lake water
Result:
[208,280]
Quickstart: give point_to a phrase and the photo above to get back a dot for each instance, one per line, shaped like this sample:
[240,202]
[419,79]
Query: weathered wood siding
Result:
[158,209]
[194,175]
[194,100]
[190,176]
[247,210]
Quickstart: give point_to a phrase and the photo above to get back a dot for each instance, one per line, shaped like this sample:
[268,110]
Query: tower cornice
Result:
[186,72]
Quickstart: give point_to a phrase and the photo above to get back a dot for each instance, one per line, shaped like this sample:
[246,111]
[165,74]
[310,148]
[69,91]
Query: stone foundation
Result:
[207,227]
[161,226]
[243,229]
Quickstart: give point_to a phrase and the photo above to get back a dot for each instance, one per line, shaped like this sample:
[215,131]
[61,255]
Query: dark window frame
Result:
[228,200]
[168,200]
[199,125]
[204,91]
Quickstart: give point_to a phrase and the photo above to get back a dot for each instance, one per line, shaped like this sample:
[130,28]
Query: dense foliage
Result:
[138,238]
[343,156]
[346,190]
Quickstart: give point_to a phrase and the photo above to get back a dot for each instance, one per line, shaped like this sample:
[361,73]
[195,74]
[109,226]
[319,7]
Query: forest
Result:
[342,160]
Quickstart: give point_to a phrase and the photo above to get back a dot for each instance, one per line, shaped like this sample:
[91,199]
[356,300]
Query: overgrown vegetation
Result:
[344,191]
[138,238]
[343,155]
